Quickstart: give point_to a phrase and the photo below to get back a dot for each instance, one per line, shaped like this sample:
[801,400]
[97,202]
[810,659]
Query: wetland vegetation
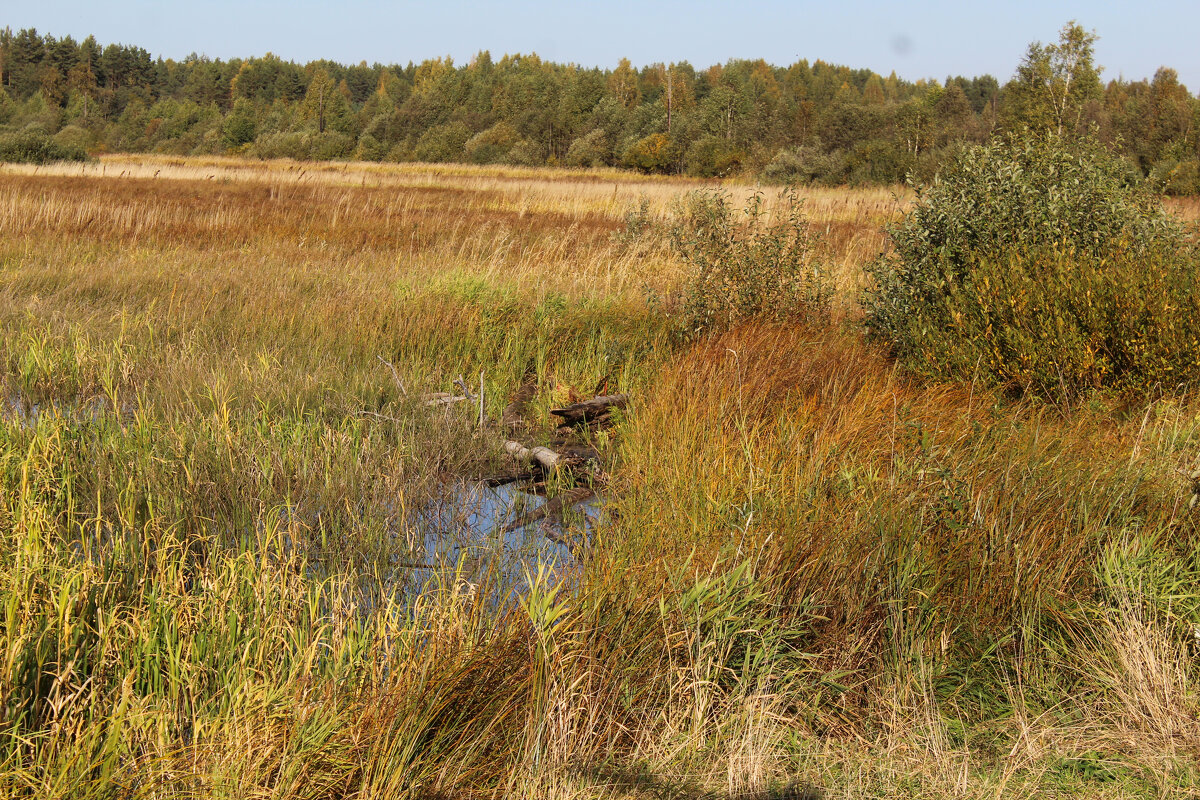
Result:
[814,565]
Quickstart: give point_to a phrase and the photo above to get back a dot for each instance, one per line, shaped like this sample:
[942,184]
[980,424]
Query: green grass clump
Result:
[1038,264]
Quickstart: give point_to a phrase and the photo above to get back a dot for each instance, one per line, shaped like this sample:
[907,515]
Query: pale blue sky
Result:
[916,39]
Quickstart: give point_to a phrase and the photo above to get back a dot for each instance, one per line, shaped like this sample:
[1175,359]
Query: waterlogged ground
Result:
[240,329]
[466,528]
[480,524]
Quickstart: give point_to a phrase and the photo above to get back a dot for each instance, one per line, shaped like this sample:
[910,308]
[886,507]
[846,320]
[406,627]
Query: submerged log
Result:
[496,481]
[598,409]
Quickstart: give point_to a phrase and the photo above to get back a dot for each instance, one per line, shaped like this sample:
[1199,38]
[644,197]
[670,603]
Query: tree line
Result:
[806,123]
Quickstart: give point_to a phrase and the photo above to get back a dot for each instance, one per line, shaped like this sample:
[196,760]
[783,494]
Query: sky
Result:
[915,39]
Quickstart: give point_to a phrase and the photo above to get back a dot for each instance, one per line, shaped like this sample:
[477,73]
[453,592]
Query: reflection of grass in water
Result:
[470,522]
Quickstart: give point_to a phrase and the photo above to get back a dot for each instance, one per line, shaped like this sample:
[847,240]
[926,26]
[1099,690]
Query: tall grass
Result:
[811,569]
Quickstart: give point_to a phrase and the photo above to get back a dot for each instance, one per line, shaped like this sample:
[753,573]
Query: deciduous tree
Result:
[1054,82]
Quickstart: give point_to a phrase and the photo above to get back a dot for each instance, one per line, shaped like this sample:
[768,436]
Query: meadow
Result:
[810,574]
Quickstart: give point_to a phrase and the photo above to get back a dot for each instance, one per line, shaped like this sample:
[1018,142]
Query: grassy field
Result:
[812,573]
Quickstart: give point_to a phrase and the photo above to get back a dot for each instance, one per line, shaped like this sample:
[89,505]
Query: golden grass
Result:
[1187,208]
[607,192]
[813,570]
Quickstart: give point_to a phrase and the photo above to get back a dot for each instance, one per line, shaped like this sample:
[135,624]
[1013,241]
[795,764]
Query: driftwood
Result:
[551,509]
[442,399]
[544,457]
[461,383]
[598,409]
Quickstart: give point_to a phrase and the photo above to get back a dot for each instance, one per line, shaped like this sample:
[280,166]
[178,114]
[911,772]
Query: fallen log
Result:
[496,481]
[442,399]
[596,409]
[543,456]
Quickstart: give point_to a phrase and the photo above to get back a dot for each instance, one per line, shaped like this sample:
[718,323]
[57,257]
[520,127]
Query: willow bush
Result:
[33,146]
[1042,265]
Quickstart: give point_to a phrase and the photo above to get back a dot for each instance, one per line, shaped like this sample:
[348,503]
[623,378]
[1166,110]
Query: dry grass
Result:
[1188,208]
[813,570]
[604,192]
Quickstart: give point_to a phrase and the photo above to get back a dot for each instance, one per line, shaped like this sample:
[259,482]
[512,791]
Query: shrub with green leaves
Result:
[1177,173]
[756,263]
[1040,264]
[37,147]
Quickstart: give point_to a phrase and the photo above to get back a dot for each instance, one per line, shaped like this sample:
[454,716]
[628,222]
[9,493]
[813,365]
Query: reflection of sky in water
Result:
[461,536]
[464,542]
[14,407]
[468,524]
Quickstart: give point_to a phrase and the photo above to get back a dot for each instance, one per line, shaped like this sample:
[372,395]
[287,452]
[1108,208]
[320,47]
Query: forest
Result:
[807,123]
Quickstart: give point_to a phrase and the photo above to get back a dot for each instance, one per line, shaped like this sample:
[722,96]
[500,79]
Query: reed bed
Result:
[813,573]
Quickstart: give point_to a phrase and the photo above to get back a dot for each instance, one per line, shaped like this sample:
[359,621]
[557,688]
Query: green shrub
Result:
[491,145]
[591,150]
[525,153]
[369,149]
[712,157]
[240,127]
[1041,265]
[73,138]
[876,161]
[805,165]
[331,144]
[443,143]
[756,263]
[653,153]
[34,146]
[291,144]
[1058,323]
[1177,175]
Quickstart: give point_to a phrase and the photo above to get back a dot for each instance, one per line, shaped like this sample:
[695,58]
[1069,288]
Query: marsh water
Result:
[475,524]
[467,531]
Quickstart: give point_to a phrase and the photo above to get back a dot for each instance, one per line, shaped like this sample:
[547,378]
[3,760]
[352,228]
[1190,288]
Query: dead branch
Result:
[598,409]
[395,375]
[442,399]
